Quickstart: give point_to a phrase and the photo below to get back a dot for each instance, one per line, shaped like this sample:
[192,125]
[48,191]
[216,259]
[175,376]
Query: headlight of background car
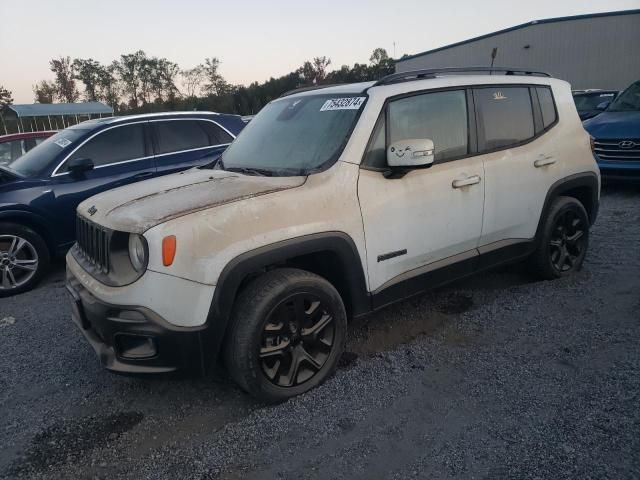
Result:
[137,252]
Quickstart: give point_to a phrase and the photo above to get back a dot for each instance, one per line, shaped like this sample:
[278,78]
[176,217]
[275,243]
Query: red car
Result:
[17,144]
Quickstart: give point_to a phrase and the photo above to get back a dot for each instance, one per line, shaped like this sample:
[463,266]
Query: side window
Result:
[115,145]
[547,107]
[505,116]
[177,135]
[217,136]
[439,116]
[376,156]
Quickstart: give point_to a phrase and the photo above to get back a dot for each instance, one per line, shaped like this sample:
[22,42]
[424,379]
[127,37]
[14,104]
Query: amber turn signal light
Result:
[168,250]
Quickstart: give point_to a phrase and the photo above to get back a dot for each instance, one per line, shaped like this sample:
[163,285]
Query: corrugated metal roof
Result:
[45,109]
[523,25]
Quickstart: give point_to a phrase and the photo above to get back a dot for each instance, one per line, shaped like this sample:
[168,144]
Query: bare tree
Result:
[192,80]
[215,85]
[108,85]
[45,92]
[320,65]
[128,69]
[315,72]
[88,71]
[64,79]
[6,97]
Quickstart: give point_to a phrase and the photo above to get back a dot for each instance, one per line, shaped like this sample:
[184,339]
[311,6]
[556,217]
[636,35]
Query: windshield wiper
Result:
[261,172]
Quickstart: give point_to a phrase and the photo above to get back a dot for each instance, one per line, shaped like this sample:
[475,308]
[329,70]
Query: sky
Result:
[253,39]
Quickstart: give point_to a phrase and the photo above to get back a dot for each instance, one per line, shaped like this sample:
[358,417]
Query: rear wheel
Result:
[24,258]
[564,240]
[287,334]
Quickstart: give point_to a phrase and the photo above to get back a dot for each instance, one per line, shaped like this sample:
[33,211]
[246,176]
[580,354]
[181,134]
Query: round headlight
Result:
[137,252]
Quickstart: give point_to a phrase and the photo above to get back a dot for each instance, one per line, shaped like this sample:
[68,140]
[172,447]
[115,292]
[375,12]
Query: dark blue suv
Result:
[616,136]
[39,192]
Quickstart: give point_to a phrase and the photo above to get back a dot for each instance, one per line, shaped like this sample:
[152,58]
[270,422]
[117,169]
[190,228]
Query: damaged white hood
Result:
[141,206]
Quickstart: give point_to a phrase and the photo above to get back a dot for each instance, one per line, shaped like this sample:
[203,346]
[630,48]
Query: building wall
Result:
[596,52]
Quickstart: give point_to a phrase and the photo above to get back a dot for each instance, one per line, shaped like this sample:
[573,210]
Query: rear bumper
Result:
[135,340]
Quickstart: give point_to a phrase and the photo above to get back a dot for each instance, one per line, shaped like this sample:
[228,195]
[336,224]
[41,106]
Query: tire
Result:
[563,241]
[283,319]
[24,259]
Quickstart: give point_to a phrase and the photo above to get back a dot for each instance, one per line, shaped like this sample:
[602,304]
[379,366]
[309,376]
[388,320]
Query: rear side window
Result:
[115,145]
[547,106]
[217,136]
[439,116]
[505,117]
[177,135]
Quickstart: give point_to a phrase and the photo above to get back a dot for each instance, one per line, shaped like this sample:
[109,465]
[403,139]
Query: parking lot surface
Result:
[498,376]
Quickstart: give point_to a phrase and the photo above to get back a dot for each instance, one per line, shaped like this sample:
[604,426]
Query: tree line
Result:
[137,83]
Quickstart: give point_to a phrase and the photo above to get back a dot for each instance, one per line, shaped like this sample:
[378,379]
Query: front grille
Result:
[93,243]
[618,150]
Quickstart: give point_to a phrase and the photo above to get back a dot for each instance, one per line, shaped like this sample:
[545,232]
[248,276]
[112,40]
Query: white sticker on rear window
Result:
[63,142]
[343,103]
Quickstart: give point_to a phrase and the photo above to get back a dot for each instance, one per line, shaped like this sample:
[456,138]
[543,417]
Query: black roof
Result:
[523,25]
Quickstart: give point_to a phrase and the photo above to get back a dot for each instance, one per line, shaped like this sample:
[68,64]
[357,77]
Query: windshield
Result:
[294,136]
[627,101]
[39,159]
[591,101]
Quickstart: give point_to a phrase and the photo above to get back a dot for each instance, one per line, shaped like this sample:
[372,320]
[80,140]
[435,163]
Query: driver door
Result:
[426,219]
[120,154]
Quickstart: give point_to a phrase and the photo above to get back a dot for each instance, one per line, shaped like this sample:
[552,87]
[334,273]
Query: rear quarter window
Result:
[547,106]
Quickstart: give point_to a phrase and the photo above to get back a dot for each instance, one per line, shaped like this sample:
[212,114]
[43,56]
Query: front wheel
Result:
[24,258]
[563,241]
[287,334]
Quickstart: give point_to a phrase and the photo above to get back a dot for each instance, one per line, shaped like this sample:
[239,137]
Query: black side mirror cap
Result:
[78,166]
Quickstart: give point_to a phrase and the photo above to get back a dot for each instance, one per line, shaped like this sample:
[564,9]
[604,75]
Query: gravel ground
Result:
[494,377]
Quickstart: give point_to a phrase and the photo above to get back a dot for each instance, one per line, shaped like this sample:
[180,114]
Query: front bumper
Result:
[626,171]
[130,339]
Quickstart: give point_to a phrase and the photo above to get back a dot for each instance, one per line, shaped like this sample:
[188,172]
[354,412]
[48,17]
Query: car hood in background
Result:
[614,125]
[141,206]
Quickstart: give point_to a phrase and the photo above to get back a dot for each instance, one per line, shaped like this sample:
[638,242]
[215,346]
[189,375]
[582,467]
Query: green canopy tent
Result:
[49,116]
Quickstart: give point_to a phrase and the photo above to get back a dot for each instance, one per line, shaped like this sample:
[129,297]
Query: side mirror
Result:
[603,105]
[411,153]
[78,166]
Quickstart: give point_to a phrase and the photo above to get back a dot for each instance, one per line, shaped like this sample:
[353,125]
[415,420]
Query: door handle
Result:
[143,175]
[465,182]
[544,160]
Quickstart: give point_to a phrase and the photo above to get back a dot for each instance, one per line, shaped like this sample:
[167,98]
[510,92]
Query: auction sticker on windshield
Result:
[343,103]
[63,142]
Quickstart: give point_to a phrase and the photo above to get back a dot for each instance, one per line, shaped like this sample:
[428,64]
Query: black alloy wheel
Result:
[287,333]
[297,339]
[567,243]
[562,241]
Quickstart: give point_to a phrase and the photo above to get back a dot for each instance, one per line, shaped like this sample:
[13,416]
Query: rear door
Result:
[185,143]
[121,155]
[519,160]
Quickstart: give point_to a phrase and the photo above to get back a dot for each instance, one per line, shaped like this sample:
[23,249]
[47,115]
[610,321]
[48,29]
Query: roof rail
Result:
[433,72]
[307,89]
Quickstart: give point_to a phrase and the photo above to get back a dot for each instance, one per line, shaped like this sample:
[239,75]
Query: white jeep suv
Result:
[333,202]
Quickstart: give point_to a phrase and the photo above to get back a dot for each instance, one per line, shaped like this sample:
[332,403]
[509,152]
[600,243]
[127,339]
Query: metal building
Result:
[599,50]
